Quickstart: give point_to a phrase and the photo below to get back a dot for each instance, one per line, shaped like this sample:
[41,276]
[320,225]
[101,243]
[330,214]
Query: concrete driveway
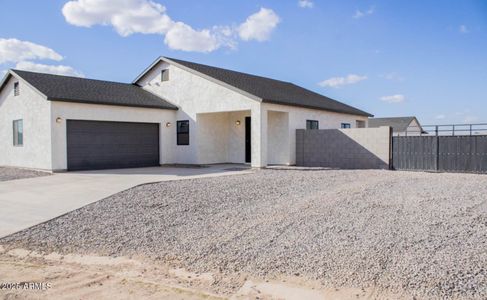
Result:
[28,202]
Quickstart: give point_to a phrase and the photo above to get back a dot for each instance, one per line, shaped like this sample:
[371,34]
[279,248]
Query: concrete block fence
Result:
[355,148]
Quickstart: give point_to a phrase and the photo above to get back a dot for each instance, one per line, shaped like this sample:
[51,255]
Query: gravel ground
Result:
[7,173]
[416,233]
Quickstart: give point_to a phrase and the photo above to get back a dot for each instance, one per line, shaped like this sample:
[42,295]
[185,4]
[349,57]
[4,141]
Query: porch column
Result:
[259,137]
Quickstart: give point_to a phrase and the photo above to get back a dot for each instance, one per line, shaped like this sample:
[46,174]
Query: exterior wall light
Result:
[237,122]
[168,124]
[59,120]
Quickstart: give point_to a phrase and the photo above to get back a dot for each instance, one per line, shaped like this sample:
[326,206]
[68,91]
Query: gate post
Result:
[391,157]
[437,153]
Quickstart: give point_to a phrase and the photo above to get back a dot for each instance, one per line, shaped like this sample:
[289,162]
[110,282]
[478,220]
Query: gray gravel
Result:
[420,233]
[7,173]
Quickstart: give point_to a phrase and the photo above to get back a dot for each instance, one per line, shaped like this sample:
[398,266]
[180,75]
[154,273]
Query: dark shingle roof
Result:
[270,90]
[81,90]
[398,124]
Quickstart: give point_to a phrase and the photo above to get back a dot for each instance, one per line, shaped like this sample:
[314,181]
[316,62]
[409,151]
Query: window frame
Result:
[16,89]
[179,134]
[18,133]
[346,126]
[310,123]
[164,75]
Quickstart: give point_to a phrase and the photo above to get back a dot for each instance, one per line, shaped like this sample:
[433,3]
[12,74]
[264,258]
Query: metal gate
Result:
[440,153]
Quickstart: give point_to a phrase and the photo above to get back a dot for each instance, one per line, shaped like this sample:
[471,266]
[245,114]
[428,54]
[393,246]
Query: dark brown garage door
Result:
[94,145]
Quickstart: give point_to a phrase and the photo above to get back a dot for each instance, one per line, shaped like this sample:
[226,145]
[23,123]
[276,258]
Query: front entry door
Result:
[248,138]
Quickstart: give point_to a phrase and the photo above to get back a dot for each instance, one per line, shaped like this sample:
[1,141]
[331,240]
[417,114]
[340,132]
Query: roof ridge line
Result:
[74,77]
[220,68]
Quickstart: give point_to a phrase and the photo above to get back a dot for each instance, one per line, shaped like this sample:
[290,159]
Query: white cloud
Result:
[306,3]
[440,117]
[128,17]
[259,26]
[463,29]
[183,37]
[14,50]
[50,69]
[2,73]
[337,82]
[360,14]
[393,76]
[394,98]
[23,52]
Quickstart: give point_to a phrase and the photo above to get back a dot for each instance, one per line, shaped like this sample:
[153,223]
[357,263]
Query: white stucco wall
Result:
[297,120]
[278,150]
[34,110]
[273,126]
[76,111]
[195,95]
[214,129]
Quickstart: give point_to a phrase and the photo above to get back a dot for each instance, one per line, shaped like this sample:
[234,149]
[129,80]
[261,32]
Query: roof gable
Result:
[90,91]
[398,124]
[262,88]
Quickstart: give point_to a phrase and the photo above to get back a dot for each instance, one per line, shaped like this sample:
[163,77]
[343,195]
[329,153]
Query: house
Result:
[401,126]
[175,112]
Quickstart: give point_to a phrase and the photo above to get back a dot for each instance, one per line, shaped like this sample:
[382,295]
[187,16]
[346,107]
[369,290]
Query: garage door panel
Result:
[106,145]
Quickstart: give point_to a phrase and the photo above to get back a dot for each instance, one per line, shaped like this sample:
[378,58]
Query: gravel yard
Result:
[416,233]
[7,173]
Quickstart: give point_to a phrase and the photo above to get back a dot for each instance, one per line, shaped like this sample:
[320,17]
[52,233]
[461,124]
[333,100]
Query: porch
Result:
[255,137]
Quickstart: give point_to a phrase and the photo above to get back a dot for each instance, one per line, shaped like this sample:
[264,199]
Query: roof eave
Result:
[109,103]
[146,70]
[5,79]
[362,113]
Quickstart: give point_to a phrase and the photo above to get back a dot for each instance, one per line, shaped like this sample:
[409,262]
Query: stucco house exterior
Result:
[401,126]
[175,112]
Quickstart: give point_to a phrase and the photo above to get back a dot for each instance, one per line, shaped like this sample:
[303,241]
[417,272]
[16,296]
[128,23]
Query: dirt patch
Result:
[95,277]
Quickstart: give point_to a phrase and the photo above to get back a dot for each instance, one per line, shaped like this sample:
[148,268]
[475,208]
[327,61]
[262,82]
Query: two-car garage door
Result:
[95,145]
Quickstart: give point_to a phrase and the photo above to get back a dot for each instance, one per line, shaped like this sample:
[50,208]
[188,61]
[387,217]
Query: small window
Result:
[183,133]
[18,133]
[16,89]
[346,125]
[360,124]
[312,124]
[165,75]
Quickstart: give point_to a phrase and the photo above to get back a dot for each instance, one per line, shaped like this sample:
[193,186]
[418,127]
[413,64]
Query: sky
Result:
[423,58]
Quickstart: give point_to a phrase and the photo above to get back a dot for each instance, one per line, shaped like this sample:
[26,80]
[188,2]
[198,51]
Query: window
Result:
[165,75]
[311,124]
[182,128]
[360,124]
[18,133]
[346,125]
[16,89]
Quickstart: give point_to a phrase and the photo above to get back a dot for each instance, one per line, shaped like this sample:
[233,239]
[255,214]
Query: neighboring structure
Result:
[401,126]
[175,112]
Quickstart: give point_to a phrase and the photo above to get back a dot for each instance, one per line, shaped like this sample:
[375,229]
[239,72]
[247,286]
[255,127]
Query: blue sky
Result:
[391,58]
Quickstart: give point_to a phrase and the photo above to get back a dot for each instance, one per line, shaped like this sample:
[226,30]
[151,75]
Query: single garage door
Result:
[94,145]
